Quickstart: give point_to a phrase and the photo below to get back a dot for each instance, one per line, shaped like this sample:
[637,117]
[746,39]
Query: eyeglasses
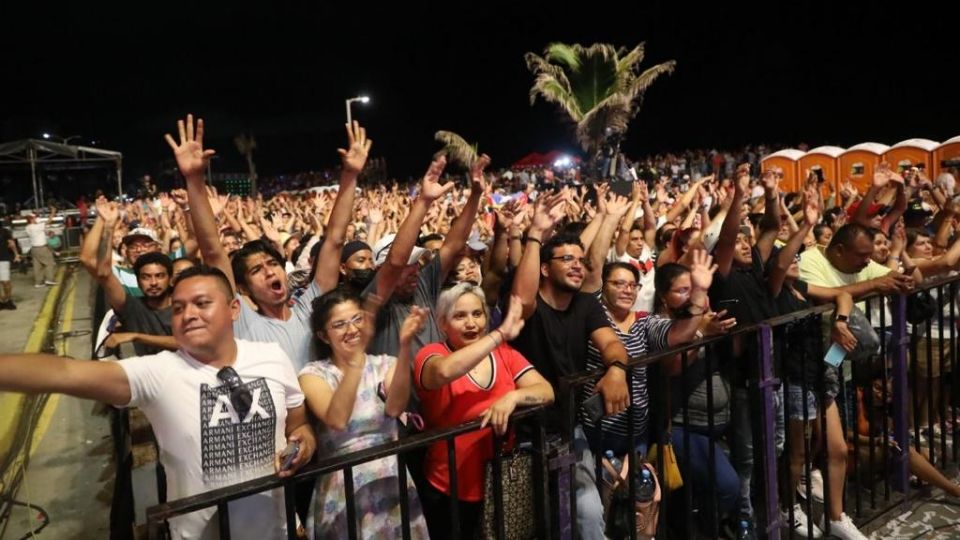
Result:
[567,259]
[624,284]
[240,396]
[356,321]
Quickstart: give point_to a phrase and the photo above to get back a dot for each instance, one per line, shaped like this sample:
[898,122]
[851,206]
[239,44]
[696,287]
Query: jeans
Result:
[590,524]
[696,471]
[741,446]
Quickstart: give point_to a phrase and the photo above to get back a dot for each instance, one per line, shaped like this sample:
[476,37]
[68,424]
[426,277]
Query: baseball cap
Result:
[138,234]
[382,248]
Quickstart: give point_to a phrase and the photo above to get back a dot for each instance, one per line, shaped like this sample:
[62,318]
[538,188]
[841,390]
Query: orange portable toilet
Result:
[786,160]
[912,153]
[825,160]
[946,155]
[859,162]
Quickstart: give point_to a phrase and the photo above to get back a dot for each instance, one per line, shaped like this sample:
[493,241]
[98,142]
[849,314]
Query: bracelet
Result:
[502,338]
[618,364]
[537,240]
[185,209]
[518,237]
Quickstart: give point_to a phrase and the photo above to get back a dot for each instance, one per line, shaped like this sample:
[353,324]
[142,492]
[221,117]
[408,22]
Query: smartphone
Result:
[289,454]
[835,355]
[724,304]
[593,407]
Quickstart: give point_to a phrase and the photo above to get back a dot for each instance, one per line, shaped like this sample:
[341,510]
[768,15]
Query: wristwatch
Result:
[841,318]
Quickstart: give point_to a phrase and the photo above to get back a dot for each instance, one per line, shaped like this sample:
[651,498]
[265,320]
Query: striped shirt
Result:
[646,334]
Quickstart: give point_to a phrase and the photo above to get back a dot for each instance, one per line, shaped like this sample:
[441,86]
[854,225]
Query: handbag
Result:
[672,478]
[515,498]
[868,342]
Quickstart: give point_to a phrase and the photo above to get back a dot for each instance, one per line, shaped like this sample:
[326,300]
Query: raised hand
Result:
[701,270]
[617,205]
[883,175]
[413,324]
[191,158]
[355,156]
[478,181]
[548,211]
[107,210]
[714,323]
[743,178]
[430,187]
[602,189]
[771,178]
[513,321]
[811,208]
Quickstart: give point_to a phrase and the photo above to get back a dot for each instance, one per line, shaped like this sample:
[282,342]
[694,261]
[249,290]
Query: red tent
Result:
[537,159]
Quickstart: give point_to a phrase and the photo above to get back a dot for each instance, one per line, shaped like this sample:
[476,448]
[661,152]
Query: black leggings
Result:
[436,508]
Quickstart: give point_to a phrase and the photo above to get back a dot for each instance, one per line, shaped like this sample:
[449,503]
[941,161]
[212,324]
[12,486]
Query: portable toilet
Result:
[859,162]
[823,161]
[946,155]
[788,161]
[912,153]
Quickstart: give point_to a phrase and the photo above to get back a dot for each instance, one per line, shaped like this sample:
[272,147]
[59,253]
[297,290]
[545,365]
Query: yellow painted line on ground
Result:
[11,404]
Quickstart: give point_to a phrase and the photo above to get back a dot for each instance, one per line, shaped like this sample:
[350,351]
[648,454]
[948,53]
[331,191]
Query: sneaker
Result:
[800,521]
[40,286]
[844,529]
[51,283]
[816,485]
[8,305]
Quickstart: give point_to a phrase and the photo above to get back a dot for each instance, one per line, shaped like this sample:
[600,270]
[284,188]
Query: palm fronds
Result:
[456,148]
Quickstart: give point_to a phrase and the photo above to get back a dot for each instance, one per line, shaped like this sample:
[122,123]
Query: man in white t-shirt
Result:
[40,253]
[222,408]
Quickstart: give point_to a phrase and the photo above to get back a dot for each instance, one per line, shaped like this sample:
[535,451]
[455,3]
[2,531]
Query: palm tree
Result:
[457,149]
[600,87]
[246,144]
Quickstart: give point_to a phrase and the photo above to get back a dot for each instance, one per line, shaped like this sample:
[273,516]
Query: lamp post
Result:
[63,140]
[361,99]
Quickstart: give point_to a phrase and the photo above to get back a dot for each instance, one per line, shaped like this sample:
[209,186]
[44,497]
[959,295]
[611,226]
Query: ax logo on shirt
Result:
[235,448]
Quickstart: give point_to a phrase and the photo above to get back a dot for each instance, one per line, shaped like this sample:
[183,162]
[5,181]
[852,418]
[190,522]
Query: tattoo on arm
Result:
[105,240]
[532,400]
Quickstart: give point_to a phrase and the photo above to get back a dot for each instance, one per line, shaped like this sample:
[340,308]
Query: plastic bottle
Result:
[744,532]
[646,486]
[617,466]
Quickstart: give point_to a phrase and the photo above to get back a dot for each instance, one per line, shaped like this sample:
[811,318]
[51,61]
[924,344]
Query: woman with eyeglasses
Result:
[357,397]
[473,374]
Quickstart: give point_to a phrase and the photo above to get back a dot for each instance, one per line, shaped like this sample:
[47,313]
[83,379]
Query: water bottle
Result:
[744,532]
[617,465]
[646,486]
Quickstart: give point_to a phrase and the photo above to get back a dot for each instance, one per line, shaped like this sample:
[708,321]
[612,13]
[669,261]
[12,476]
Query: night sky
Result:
[821,73]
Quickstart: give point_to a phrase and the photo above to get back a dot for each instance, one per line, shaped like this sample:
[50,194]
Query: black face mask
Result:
[360,278]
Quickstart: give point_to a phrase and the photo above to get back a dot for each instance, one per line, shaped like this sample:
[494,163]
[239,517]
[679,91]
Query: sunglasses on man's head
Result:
[240,396]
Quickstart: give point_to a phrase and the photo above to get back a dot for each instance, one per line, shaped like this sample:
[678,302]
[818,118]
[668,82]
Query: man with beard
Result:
[356,266]
[257,269]
[560,323]
[145,320]
[418,276]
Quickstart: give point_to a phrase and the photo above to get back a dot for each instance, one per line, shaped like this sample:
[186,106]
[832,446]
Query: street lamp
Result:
[361,99]
[63,140]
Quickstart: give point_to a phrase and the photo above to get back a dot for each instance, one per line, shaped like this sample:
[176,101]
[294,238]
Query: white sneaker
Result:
[845,529]
[800,521]
[816,485]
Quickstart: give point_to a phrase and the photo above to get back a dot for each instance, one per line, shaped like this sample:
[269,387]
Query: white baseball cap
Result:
[382,248]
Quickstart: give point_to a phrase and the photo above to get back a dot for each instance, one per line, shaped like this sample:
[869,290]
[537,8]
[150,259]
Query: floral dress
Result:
[376,500]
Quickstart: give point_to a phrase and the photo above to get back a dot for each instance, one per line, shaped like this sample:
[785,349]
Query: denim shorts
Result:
[795,397]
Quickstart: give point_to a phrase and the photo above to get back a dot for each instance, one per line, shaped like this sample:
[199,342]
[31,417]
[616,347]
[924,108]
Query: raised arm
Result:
[623,236]
[615,208]
[454,241]
[112,288]
[727,241]
[91,243]
[353,159]
[430,190]
[46,373]
[526,282]
[192,160]
[770,224]
[438,372]
[397,382]
[811,216]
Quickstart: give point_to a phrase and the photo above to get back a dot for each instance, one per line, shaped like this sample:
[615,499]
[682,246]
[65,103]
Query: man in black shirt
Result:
[739,287]
[560,320]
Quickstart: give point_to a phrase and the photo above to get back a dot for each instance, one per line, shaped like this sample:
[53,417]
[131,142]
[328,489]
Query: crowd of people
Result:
[267,332]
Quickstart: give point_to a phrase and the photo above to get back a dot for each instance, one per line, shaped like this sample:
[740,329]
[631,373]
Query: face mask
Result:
[360,278]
